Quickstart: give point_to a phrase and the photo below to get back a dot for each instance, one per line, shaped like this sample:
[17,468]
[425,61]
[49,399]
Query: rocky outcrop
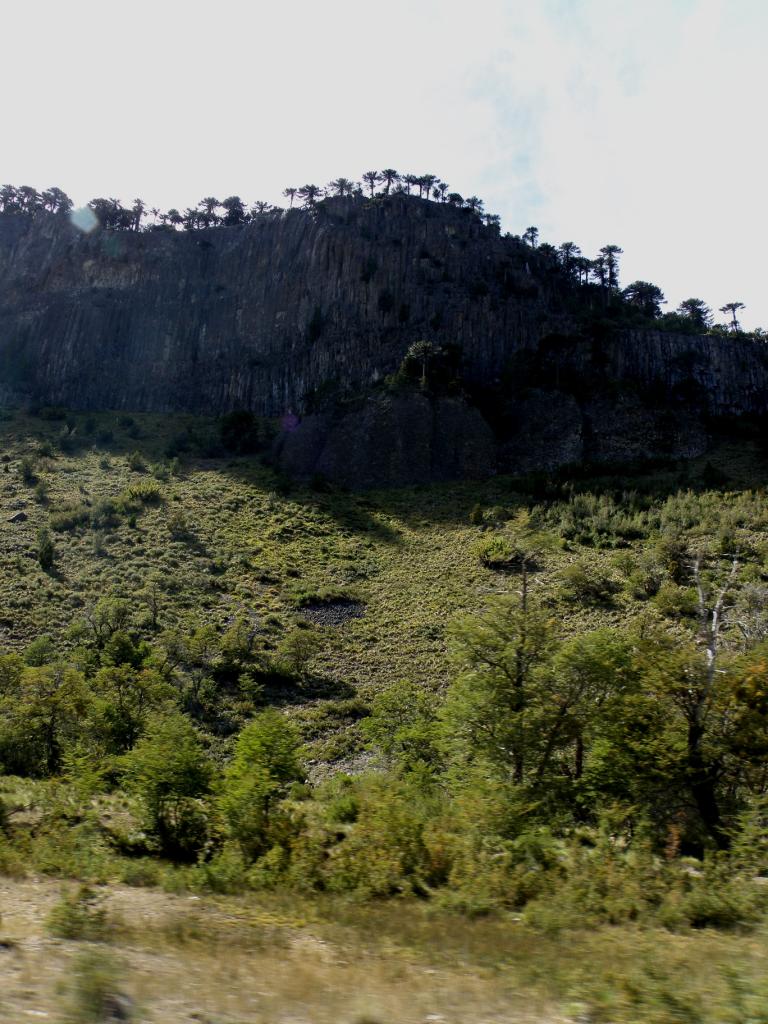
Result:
[258,316]
[297,308]
[403,439]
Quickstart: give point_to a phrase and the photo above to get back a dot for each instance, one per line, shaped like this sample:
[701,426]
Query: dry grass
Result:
[183,959]
[279,959]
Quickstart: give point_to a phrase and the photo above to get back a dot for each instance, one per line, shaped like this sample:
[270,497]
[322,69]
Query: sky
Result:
[635,122]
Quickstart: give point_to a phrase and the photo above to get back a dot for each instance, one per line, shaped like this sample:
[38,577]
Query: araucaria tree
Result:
[309,194]
[372,179]
[646,297]
[389,177]
[733,308]
[611,255]
[340,187]
[697,312]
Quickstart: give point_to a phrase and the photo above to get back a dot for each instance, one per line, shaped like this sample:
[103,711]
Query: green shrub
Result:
[148,492]
[96,995]
[178,526]
[41,651]
[296,650]
[79,914]
[46,551]
[713,900]
[69,517]
[497,552]
[582,583]
[323,595]
[384,852]
[135,462]
[676,602]
[265,763]
[105,514]
[225,872]
[241,432]
[672,552]
[27,471]
[169,771]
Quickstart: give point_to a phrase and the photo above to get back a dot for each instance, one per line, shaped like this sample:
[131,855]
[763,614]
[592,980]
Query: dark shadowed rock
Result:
[392,440]
[547,432]
[301,310]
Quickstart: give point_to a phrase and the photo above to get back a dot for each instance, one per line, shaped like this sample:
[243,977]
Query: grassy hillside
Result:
[208,539]
[158,594]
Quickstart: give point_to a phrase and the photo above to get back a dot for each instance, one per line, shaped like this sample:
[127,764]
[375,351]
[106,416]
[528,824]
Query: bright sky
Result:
[629,121]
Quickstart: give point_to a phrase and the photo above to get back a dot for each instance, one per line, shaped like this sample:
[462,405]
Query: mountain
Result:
[308,314]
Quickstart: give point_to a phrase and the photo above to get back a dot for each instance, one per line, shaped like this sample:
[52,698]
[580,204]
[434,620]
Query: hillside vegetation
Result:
[542,703]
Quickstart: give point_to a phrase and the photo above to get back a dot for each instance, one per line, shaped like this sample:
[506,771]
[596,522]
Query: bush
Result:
[296,650]
[498,553]
[27,471]
[383,853]
[69,517]
[178,527]
[672,552]
[148,492]
[40,652]
[169,771]
[676,602]
[581,583]
[45,549]
[135,462]
[265,763]
[96,995]
[79,915]
[241,432]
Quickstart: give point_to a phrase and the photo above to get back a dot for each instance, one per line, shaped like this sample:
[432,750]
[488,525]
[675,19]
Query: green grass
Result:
[215,537]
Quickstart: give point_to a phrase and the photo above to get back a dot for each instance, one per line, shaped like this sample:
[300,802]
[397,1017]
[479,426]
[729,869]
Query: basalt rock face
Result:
[391,439]
[298,308]
[258,316]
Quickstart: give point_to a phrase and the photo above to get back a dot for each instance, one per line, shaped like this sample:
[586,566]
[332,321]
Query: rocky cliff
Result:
[255,316]
[273,315]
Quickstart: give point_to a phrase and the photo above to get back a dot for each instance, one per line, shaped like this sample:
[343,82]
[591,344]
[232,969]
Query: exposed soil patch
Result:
[333,613]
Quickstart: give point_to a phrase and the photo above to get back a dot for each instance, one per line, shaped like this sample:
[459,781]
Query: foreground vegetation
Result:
[275,957]
[537,703]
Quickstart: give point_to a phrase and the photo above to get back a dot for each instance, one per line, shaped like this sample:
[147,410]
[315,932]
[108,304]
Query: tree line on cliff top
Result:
[641,298]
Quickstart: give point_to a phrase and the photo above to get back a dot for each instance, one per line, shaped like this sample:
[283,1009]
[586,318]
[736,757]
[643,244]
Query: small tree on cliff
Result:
[235,210]
[372,179]
[611,255]
[646,297]
[389,177]
[208,206]
[733,308]
[341,186]
[137,210]
[697,312]
[309,194]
